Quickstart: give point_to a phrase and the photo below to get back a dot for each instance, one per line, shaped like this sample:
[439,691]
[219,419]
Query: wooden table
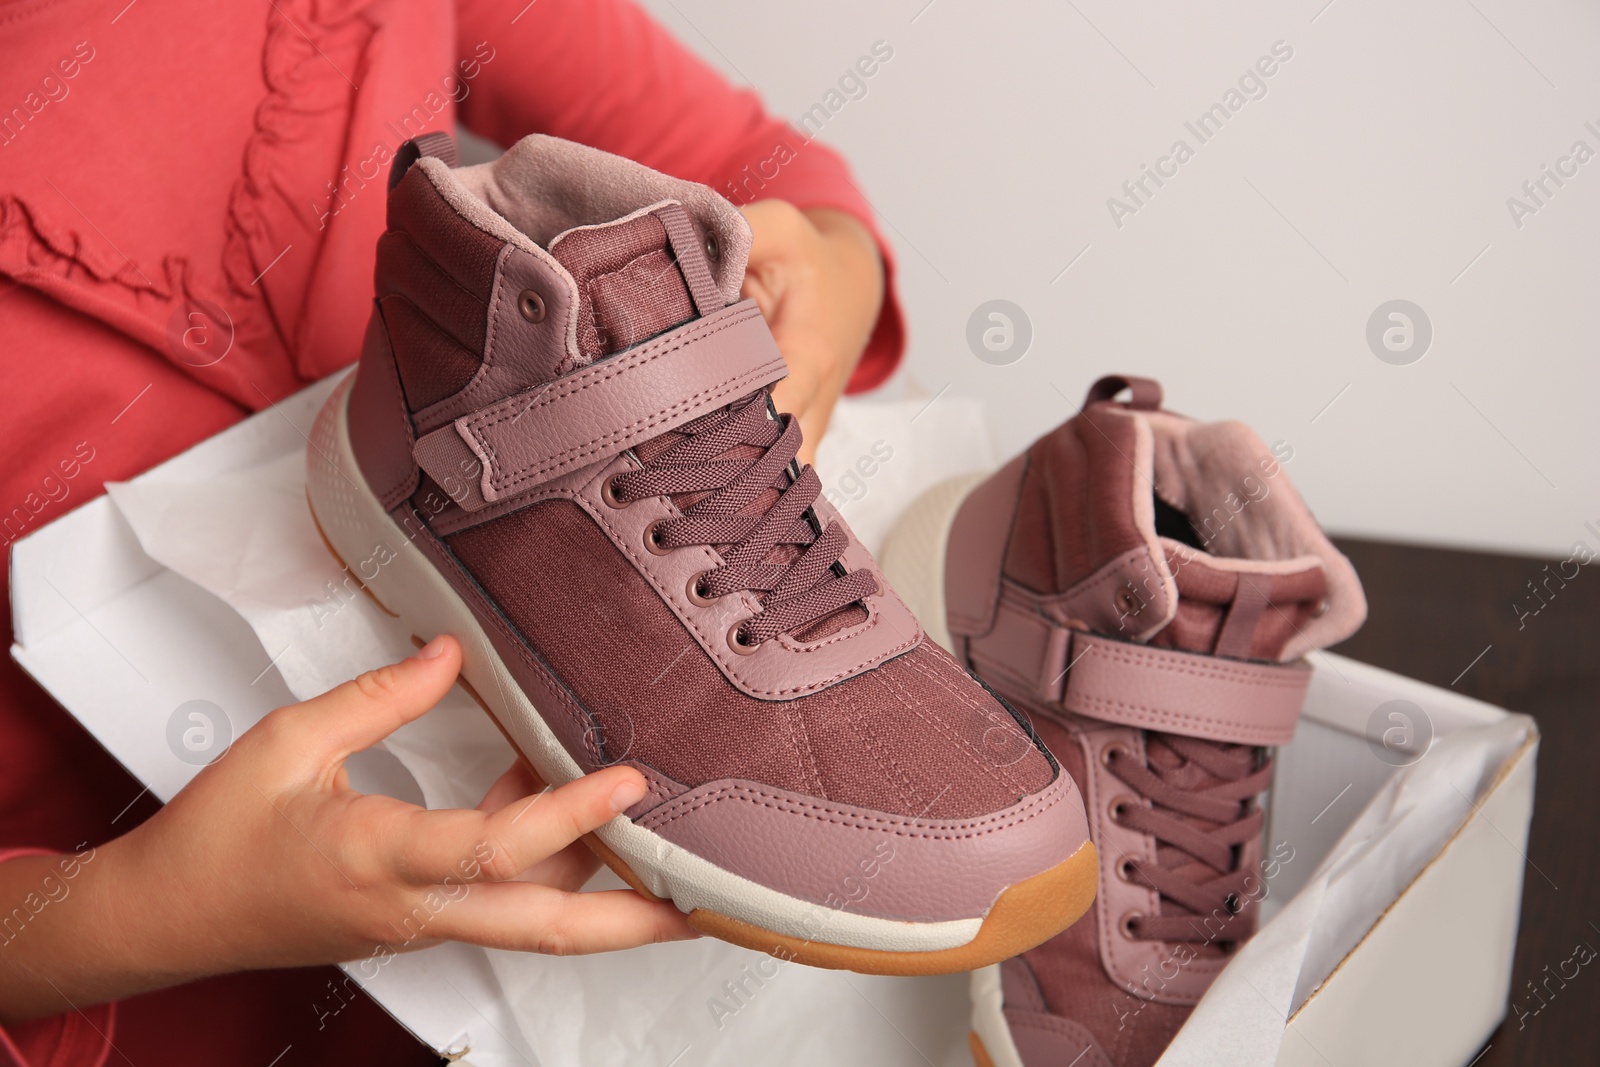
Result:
[1465,620]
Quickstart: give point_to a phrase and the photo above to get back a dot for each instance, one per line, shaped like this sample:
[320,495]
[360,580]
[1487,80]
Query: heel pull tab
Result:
[437,144]
[692,253]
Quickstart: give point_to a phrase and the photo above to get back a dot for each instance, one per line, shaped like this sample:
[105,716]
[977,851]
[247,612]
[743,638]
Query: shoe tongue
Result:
[629,282]
[632,285]
[1241,609]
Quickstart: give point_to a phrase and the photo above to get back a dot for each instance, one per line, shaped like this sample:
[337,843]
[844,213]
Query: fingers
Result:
[796,393]
[368,708]
[536,918]
[756,289]
[425,847]
[813,424]
[852,236]
[569,870]
[776,227]
[518,782]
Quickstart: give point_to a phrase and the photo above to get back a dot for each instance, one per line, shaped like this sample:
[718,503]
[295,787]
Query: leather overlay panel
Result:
[517,354]
[607,407]
[977,548]
[1159,970]
[778,669]
[924,870]
[380,424]
[1234,701]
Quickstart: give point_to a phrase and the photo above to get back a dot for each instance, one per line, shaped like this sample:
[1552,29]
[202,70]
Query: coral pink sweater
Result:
[190,195]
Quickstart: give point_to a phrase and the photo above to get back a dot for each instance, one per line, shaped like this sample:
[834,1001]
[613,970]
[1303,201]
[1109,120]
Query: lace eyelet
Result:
[1118,806]
[531,304]
[1233,903]
[652,539]
[1128,601]
[1125,869]
[696,591]
[737,640]
[713,252]
[608,493]
[1110,752]
[1128,923]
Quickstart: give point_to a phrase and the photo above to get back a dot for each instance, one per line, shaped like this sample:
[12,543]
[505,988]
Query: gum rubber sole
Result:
[980,1055]
[1053,899]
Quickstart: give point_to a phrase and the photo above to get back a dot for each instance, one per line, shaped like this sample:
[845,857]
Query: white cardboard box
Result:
[1390,933]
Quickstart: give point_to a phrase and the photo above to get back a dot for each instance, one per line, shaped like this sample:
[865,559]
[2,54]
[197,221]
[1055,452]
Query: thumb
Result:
[755,288]
[371,706]
[796,392]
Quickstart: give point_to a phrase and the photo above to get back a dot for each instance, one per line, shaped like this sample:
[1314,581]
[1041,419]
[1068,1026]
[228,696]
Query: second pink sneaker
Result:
[1146,588]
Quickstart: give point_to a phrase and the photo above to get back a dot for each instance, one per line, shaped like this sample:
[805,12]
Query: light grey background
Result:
[1377,166]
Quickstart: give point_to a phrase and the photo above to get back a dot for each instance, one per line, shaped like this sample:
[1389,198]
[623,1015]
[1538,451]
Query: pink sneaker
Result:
[559,447]
[1144,586]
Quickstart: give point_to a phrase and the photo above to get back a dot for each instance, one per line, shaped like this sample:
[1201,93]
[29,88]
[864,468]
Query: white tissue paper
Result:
[123,580]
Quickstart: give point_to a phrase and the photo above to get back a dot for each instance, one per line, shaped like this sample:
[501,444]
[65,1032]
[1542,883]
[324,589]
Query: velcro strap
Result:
[523,441]
[1024,649]
[1185,693]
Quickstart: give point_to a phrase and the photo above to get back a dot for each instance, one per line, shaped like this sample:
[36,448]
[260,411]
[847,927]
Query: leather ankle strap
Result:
[516,444]
[1235,701]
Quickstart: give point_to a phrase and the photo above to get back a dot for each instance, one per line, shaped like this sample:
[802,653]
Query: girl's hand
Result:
[818,278]
[269,859]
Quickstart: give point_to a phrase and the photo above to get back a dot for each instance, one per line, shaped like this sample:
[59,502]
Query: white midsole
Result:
[913,554]
[989,1018]
[355,524]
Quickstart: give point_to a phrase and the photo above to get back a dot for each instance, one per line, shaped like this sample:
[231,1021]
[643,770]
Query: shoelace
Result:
[752,507]
[1210,907]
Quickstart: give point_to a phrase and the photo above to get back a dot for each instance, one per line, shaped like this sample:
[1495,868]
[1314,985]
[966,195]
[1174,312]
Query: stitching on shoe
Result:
[1004,773]
[808,758]
[707,641]
[888,766]
[1126,958]
[657,791]
[603,372]
[1266,677]
[1272,676]
[1028,1019]
[446,410]
[967,829]
[577,714]
[1177,718]
[623,271]
[801,648]
[599,445]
